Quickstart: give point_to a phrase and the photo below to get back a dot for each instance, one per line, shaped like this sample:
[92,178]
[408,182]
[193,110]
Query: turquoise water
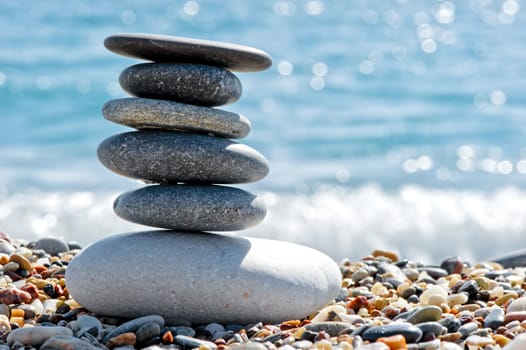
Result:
[395,124]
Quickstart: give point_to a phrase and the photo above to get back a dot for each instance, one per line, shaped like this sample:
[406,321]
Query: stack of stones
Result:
[183,149]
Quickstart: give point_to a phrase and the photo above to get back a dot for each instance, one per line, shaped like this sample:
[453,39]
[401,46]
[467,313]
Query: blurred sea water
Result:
[387,124]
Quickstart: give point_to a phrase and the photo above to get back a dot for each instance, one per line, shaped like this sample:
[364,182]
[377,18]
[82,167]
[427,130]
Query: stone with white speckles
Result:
[170,157]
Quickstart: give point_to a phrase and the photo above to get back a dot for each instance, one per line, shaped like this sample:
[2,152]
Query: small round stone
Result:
[163,48]
[191,207]
[171,157]
[52,245]
[147,113]
[201,278]
[182,82]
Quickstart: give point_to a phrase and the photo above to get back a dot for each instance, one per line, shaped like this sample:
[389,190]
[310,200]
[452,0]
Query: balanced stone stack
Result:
[183,149]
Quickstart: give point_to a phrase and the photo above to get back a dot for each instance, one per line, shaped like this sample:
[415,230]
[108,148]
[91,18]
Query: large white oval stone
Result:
[202,278]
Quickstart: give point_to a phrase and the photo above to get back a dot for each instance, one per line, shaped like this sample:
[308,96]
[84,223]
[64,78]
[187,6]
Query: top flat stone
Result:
[164,48]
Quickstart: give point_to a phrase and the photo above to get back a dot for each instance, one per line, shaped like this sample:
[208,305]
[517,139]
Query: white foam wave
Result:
[420,223]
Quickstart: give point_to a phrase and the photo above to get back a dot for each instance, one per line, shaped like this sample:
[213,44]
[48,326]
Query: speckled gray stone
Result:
[191,207]
[202,278]
[147,113]
[170,157]
[182,82]
[163,48]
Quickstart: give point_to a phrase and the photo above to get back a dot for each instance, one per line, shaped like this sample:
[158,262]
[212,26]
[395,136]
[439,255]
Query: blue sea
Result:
[387,124]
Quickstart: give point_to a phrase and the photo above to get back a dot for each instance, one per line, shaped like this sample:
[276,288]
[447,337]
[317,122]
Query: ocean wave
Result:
[418,222]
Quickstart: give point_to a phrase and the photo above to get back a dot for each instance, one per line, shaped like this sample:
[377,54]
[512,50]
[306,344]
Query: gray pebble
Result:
[182,82]
[432,327]
[411,274]
[429,345]
[191,207]
[36,336]
[171,157]
[163,48]
[4,309]
[359,275]
[214,328]
[332,328]
[147,331]
[183,330]
[134,325]
[433,271]
[147,113]
[303,344]
[6,247]
[249,346]
[513,259]
[467,328]
[89,323]
[74,246]
[67,342]
[52,245]
[424,314]
[495,318]
[410,332]
[193,342]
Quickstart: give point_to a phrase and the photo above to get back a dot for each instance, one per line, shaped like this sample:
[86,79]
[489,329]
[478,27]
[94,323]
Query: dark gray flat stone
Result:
[512,259]
[412,334]
[163,48]
[146,113]
[182,82]
[191,207]
[170,157]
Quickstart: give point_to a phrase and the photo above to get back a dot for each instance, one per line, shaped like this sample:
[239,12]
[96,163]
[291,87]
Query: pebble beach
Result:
[385,302]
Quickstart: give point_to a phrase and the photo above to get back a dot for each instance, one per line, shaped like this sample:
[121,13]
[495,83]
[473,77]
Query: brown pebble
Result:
[168,337]
[31,289]
[122,339]
[451,337]
[452,265]
[386,254]
[515,316]
[20,260]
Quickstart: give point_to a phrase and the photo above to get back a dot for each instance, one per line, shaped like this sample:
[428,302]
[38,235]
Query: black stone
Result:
[163,48]
[182,82]
[411,333]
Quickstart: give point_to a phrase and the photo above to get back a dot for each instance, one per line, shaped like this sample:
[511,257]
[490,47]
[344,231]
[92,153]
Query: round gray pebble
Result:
[163,48]
[191,207]
[182,82]
[172,157]
[147,113]
[52,245]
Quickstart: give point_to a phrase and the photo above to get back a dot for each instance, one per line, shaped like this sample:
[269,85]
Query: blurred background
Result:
[387,124]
